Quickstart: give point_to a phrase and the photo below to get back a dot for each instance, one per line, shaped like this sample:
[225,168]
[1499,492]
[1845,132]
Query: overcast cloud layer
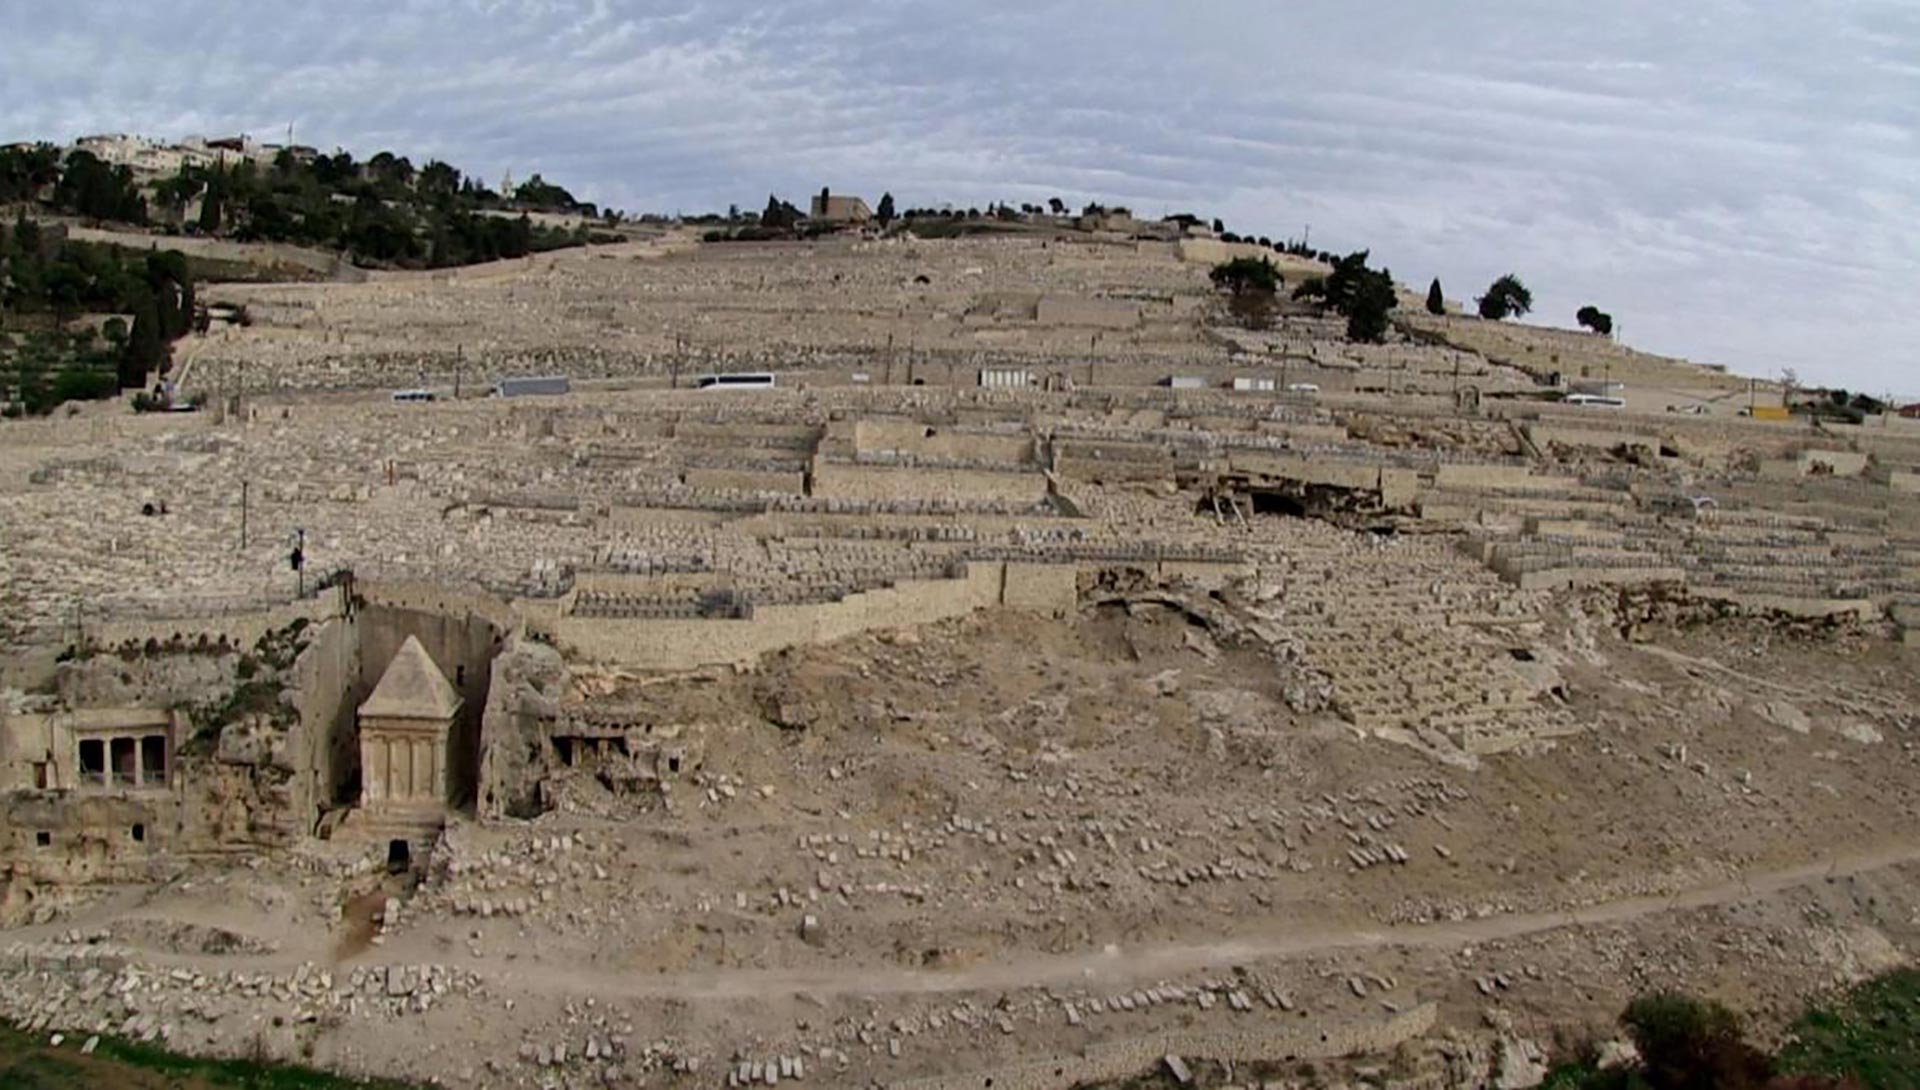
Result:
[1735,182]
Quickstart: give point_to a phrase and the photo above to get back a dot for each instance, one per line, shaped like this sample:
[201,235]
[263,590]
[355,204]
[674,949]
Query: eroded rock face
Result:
[528,680]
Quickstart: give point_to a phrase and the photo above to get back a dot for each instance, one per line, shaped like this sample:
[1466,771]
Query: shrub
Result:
[1693,1044]
[1870,1036]
[75,384]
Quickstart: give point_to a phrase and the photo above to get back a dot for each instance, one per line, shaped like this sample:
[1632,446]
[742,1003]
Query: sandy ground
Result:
[983,812]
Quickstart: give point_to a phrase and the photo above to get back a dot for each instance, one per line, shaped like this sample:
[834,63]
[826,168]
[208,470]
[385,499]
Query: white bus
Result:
[1596,401]
[741,380]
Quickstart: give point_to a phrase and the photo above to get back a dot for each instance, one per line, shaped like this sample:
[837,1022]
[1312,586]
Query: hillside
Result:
[381,213]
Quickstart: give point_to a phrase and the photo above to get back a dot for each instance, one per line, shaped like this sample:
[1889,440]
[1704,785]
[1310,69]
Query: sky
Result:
[1734,182]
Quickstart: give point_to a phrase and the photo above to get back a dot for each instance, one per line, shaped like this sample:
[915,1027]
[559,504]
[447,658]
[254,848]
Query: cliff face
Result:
[524,697]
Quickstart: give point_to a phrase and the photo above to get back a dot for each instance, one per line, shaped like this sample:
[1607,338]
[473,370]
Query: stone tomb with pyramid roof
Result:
[405,726]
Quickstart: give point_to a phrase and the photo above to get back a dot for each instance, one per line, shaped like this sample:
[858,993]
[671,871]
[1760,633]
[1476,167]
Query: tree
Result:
[1373,298]
[780,215]
[541,195]
[90,188]
[170,286]
[393,170]
[1219,227]
[885,213]
[1365,296]
[1246,274]
[1506,297]
[1436,300]
[146,348]
[210,210]
[26,171]
[1057,206]
[438,179]
[26,237]
[1592,317]
[1251,283]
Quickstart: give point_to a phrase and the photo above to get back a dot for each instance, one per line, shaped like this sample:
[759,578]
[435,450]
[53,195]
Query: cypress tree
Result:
[1436,301]
[210,212]
[146,347]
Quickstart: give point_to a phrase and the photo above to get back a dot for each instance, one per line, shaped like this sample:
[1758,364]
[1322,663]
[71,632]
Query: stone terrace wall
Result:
[239,630]
[874,482]
[746,480]
[685,644]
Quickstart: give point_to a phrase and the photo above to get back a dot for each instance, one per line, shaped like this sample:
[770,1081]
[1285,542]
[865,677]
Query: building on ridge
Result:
[827,208]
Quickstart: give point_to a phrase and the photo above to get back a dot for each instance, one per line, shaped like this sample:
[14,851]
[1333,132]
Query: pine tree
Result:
[1436,300]
[1506,297]
[885,212]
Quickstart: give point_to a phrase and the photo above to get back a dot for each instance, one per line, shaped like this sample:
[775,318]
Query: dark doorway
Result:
[1278,503]
[139,832]
[399,856]
[93,762]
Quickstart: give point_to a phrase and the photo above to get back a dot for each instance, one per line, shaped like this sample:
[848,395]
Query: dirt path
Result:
[1119,966]
[1111,967]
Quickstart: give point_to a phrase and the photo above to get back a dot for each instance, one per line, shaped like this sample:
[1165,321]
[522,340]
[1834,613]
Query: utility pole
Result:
[243,514]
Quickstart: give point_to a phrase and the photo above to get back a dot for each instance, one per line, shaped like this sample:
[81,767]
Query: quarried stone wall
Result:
[685,644]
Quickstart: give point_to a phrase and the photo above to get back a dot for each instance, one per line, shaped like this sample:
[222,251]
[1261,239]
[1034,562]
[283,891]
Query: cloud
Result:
[1735,181]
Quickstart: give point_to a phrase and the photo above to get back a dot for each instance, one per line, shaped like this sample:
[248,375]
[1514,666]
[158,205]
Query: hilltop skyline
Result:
[1734,184]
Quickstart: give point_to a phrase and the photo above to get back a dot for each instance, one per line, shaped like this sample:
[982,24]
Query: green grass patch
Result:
[1569,1076]
[1870,1034]
[30,1063]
